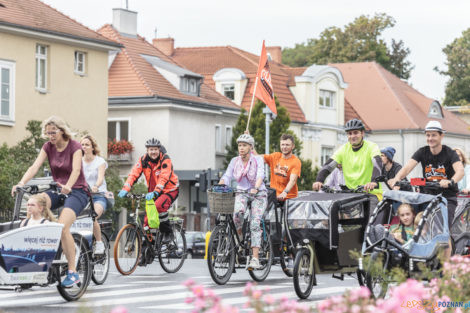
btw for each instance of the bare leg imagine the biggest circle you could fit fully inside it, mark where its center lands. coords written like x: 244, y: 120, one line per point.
x: 255, y: 252
x: 96, y: 226
x: 67, y: 217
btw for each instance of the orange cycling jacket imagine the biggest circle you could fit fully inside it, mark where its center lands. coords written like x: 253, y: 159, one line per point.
x: 159, y: 175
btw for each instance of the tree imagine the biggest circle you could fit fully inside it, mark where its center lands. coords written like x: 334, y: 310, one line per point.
x: 277, y: 127
x: 360, y: 41
x: 458, y: 70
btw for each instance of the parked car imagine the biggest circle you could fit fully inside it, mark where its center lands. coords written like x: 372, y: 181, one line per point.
x: 195, y: 244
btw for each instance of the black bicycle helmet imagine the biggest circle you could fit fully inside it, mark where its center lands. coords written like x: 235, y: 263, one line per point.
x: 153, y: 142
x: 354, y: 124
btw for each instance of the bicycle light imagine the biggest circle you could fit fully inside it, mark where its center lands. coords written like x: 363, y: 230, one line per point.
x: 359, y: 261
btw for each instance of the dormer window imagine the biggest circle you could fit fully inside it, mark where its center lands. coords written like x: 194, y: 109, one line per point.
x: 435, y: 110
x: 327, y: 99
x: 181, y: 78
x: 229, y: 91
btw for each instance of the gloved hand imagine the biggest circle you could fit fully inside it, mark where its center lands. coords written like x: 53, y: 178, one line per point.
x: 122, y: 193
x: 149, y: 196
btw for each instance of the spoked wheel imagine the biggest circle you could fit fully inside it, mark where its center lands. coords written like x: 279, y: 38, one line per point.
x: 287, y: 261
x: 101, y: 263
x: 127, y: 249
x: 172, y: 255
x: 265, y: 258
x: 304, y: 274
x: 375, y: 281
x: 221, y: 254
x: 83, y: 268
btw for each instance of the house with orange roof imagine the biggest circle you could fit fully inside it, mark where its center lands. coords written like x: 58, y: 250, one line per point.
x: 152, y: 95
x: 313, y: 97
x: 320, y: 98
x: 51, y: 65
x: 396, y: 113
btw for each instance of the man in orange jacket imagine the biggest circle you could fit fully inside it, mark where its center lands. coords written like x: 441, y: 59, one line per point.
x: 162, y: 182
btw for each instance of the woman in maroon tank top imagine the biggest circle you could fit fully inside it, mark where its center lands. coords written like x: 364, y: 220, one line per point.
x: 65, y: 160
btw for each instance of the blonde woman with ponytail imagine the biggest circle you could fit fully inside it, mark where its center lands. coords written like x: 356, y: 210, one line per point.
x: 37, y: 211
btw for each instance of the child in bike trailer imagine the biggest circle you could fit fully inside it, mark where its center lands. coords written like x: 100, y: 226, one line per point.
x: 404, y: 231
x: 162, y: 182
x: 248, y: 170
x: 37, y: 211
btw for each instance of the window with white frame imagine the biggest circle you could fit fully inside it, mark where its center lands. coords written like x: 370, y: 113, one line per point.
x: 229, y: 91
x: 326, y: 153
x: 118, y: 130
x: 41, y: 67
x: 7, y: 90
x: 218, y: 138
x: 79, y: 64
x: 327, y: 99
x: 228, y: 136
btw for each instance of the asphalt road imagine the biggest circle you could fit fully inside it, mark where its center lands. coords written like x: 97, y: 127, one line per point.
x: 150, y: 289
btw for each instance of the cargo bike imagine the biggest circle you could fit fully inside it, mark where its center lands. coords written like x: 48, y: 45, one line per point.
x: 227, y: 250
x: 325, y: 227
x: 32, y: 256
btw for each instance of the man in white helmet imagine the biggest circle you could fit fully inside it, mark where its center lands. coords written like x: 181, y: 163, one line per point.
x: 440, y: 164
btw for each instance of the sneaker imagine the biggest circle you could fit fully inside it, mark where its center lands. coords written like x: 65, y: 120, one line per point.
x: 71, y: 279
x: 253, y: 265
x: 167, y: 237
x: 99, y: 248
x: 290, y: 264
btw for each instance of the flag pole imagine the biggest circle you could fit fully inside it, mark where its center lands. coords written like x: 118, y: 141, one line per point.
x: 252, y: 101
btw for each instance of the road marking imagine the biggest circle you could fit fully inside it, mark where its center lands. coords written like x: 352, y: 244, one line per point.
x: 155, y: 297
x: 53, y: 290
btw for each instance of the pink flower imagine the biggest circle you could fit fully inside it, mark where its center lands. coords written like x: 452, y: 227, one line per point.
x: 198, y: 291
x: 257, y: 294
x: 188, y: 283
x: 269, y: 299
x: 119, y: 309
x: 248, y: 288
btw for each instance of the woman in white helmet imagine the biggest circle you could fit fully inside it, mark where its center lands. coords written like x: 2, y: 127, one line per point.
x: 248, y: 171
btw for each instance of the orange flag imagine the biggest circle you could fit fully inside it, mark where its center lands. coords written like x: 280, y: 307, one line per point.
x: 264, y: 87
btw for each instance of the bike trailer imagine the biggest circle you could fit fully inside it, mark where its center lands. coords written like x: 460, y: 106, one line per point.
x: 26, y: 253
x: 432, y: 232
x: 461, y: 225
x: 334, y: 221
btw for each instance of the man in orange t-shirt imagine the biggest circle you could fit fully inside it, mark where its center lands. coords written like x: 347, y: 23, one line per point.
x: 285, y: 169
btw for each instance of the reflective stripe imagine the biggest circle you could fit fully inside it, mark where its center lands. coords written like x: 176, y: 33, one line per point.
x: 163, y: 216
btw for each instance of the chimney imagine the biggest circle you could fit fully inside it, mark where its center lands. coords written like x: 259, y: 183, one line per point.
x: 125, y: 21
x: 165, y: 45
x: 275, y: 52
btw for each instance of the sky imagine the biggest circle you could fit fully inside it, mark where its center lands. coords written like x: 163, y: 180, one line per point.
x: 426, y: 27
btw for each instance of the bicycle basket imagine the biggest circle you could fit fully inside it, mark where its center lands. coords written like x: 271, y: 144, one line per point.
x: 221, y: 202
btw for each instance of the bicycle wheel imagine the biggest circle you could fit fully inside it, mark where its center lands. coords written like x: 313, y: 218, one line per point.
x: 101, y: 263
x: 265, y: 259
x: 172, y: 255
x: 127, y: 249
x: 375, y: 280
x: 286, y: 260
x: 83, y: 268
x: 303, y: 280
x: 221, y: 254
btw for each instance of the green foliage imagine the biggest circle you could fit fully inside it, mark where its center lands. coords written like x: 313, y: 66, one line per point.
x: 360, y: 41
x: 458, y: 70
x: 277, y: 127
x: 14, y: 161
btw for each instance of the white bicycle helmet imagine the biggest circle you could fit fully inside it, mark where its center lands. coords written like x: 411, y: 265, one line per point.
x: 246, y: 139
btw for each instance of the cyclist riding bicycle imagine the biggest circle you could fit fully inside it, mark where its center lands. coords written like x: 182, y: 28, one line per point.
x: 285, y: 169
x: 162, y: 182
x: 440, y: 164
x: 360, y: 161
x: 65, y: 159
x: 248, y: 170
